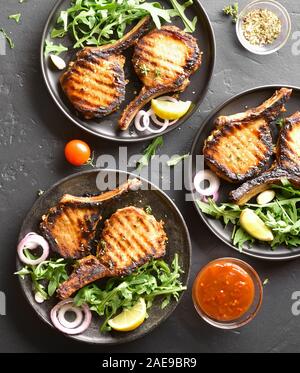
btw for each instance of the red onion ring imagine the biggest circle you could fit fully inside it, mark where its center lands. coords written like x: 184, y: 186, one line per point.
x: 214, y: 182
x: 32, y: 241
x: 70, y: 308
x: 59, y: 311
x: 146, y: 121
x: 158, y: 122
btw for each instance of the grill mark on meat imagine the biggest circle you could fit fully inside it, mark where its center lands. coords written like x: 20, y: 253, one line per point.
x: 95, y: 82
x: 70, y: 226
x: 241, y: 145
x: 120, y: 223
x: 287, y: 164
x: 154, y: 50
x: 120, y: 257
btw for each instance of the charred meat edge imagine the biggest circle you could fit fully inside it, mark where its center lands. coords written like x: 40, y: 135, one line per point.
x: 93, y: 268
x: 223, y: 172
x: 284, y: 152
x: 269, y: 109
x: 119, y: 78
x: 251, y: 188
x: 93, y: 202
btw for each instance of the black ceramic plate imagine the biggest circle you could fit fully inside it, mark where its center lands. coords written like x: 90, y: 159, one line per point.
x: 108, y: 126
x: 163, y: 209
x: 238, y: 103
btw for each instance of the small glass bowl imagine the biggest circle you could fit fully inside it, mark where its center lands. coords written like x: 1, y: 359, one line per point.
x: 248, y: 315
x: 286, y: 26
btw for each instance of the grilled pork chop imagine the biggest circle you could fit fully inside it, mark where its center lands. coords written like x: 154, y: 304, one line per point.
x: 239, y: 151
x: 95, y: 82
x: 288, y: 149
x: 70, y: 226
x: 268, y: 109
x: 241, y: 146
x: 130, y: 238
x: 287, y: 164
x: 163, y: 59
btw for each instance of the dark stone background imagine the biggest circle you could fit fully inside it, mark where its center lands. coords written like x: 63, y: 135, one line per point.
x: 32, y: 137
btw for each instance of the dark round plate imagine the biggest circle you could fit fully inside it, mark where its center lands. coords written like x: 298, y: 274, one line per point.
x: 107, y: 127
x: 163, y: 208
x: 238, y: 103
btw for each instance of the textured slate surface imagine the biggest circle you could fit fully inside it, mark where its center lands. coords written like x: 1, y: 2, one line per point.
x: 32, y: 136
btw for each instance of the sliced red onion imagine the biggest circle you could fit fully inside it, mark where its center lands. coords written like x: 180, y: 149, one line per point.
x: 69, y: 307
x: 214, y: 182
x: 32, y: 241
x: 79, y: 325
x: 215, y: 196
x: 158, y: 122
x: 146, y: 121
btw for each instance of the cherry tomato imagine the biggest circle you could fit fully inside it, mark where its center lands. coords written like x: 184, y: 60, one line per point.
x: 77, y: 152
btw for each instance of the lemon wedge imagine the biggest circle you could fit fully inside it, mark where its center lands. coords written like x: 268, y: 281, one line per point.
x: 170, y: 110
x: 130, y: 319
x: 255, y: 226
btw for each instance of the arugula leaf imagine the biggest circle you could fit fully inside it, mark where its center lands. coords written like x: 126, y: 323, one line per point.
x: 176, y: 159
x: 98, y: 22
x: 8, y: 38
x: 228, y: 212
x: 156, y: 12
x: 54, y: 48
x: 240, y: 237
x: 149, y: 152
x: 46, y: 276
x: 154, y: 279
x: 282, y: 216
x: 190, y: 26
x: 15, y: 17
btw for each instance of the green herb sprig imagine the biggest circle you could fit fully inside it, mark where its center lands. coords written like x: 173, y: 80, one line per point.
x: 149, y: 152
x: 233, y: 11
x: 8, y: 38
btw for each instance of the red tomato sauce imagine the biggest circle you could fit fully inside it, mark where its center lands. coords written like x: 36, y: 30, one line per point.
x: 224, y: 291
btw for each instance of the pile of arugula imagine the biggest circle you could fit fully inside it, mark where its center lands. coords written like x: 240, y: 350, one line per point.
x: 282, y: 215
x: 98, y: 22
x: 46, y: 276
x: 155, y: 278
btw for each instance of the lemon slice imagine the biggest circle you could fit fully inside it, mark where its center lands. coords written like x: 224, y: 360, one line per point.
x: 170, y: 110
x: 255, y: 226
x: 130, y: 319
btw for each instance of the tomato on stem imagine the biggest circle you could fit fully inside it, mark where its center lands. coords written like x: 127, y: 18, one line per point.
x: 77, y: 152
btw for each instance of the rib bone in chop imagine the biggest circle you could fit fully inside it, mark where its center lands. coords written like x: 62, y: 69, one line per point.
x: 70, y: 226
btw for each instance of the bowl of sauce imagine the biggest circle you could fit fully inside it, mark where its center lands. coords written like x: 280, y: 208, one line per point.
x: 227, y: 293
